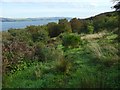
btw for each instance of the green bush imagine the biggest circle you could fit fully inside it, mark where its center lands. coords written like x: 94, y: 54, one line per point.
x: 70, y: 39
x: 45, y: 53
x: 76, y: 25
x: 38, y: 33
x: 90, y: 28
x: 54, y: 29
x: 21, y: 35
x: 65, y: 25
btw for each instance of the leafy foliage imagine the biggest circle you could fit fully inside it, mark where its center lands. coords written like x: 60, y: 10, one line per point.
x: 45, y: 53
x: 70, y: 39
x: 65, y: 25
x: 38, y: 34
x: 90, y: 28
x: 54, y: 29
x: 76, y: 25
x: 40, y: 57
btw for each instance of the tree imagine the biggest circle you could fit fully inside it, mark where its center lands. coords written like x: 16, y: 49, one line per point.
x: 65, y: 25
x: 54, y: 29
x: 117, y: 6
x: 76, y: 25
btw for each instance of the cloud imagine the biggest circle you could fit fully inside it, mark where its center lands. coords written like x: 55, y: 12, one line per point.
x: 95, y: 1
x: 40, y: 0
x: 75, y: 3
x: 33, y: 8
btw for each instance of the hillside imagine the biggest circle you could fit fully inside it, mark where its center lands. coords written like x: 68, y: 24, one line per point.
x: 80, y: 53
x: 101, y: 15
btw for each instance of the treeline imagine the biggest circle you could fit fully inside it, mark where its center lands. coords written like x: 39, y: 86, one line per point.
x: 106, y: 21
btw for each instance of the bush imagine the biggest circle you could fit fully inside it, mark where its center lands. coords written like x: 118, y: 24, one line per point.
x: 14, y: 52
x: 65, y: 25
x: 90, y: 28
x: 45, y: 53
x: 76, y: 25
x: 38, y: 33
x: 21, y: 35
x: 63, y: 66
x: 54, y: 29
x: 70, y: 39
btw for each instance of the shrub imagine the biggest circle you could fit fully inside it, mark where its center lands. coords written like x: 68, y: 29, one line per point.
x: 86, y: 77
x: 63, y: 66
x: 90, y: 28
x: 76, y: 25
x: 70, y: 39
x: 103, y: 54
x: 14, y: 52
x: 54, y: 29
x: 44, y: 52
x: 38, y: 33
x: 21, y: 35
x: 6, y: 37
x: 37, y: 72
x: 65, y: 25
x: 41, y: 35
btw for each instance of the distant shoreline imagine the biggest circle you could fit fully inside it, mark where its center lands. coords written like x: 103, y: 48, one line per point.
x: 4, y: 19
x: 32, y: 19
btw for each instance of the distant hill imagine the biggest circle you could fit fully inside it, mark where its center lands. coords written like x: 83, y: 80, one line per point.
x: 55, y: 18
x: 31, y: 19
x: 103, y: 21
x: 101, y: 15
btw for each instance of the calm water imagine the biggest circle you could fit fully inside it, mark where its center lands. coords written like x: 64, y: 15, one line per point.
x: 23, y: 24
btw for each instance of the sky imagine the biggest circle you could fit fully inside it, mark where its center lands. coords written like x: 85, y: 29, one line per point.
x: 53, y: 8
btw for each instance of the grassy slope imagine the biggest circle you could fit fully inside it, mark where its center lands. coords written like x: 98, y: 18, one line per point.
x: 85, y: 70
x: 93, y: 64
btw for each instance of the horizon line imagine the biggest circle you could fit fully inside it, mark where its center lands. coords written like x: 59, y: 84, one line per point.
x: 56, y: 16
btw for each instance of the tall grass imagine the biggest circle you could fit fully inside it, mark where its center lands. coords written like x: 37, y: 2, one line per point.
x: 103, y: 53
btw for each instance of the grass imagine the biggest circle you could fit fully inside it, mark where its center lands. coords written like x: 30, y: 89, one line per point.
x: 83, y: 67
